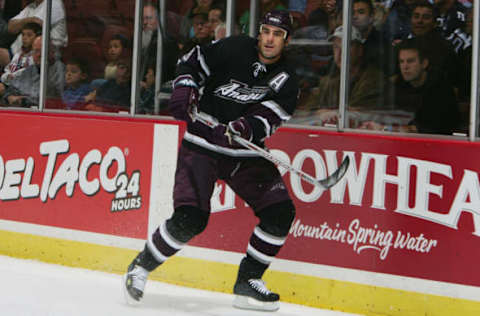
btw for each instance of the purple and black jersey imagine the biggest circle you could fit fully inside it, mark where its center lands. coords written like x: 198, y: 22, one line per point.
x: 233, y: 84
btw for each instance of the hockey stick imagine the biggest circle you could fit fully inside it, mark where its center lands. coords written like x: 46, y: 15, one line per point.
x: 325, y: 184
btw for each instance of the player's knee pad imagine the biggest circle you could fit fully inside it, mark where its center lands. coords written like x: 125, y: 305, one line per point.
x: 276, y: 219
x: 187, y: 222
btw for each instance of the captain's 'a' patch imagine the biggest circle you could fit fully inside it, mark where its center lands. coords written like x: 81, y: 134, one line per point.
x: 278, y: 81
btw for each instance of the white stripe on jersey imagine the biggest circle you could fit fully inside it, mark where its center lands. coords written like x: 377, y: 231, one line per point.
x: 202, y: 61
x: 197, y: 140
x: 277, y: 109
x: 268, y: 128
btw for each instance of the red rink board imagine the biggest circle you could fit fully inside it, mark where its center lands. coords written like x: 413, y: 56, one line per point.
x: 413, y: 230
x: 129, y: 142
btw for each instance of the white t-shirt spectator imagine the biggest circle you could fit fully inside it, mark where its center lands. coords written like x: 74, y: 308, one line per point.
x: 58, y: 31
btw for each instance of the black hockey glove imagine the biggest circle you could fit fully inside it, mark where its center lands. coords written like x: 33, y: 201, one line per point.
x: 223, y: 134
x: 220, y: 136
x: 239, y: 127
x: 183, y: 99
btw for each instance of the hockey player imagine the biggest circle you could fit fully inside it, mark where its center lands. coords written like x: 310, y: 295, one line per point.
x: 249, y: 87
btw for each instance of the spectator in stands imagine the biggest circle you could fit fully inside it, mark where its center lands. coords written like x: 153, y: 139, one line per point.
x: 440, y: 53
x: 316, y: 28
x: 149, y: 45
x: 76, y: 84
x: 377, y: 51
x: 201, y: 33
x: 3, y: 23
x: 34, y: 13
x: 147, y: 92
x: 216, y: 21
x: 417, y: 90
x: 265, y: 6
x: 365, y: 88
x: 22, y: 59
x: 118, y: 48
x: 397, y: 24
x: 186, y: 26
x: 464, y: 53
x: 8, y: 9
x: 24, y: 90
x: 114, y: 95
x: 297, y: 5
x: 451, y: 17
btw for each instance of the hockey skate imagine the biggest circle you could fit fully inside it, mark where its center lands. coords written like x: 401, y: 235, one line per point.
x: 134, y: 283
x: 253, y: 294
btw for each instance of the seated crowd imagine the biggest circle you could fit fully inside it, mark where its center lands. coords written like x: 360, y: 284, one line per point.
x: 409, y: 71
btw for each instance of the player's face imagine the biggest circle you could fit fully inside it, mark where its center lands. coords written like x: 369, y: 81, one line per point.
x: 410, y: 65
x: 271, y: 42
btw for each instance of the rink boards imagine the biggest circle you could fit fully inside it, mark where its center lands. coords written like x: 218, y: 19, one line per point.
x: 398, y: 236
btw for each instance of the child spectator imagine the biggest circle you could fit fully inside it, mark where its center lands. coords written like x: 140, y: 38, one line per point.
x: 76, y: 86
x: 147, y: 92
x: 24, y: 58
x: 117, y: 47
x: 113, y: 95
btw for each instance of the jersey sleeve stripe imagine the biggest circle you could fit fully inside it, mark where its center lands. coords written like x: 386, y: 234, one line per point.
x: 199, y: 141
x: 202, y: 61
x: 268, y: 128
x: 277, y: 109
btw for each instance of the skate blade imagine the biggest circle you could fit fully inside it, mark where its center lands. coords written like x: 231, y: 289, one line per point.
x: 128, y: 298
x: 245, y: 302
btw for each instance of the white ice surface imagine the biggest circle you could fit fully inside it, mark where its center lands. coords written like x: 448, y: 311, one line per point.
x: 32, y: 288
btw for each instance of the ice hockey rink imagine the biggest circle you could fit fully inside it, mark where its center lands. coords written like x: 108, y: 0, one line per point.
x: 33, y: 288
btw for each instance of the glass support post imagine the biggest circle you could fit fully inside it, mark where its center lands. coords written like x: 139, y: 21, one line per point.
x: 137, y: 38
x: 45, y: 51
x: 474, y: 97
x: 230, y: 17
x: 345, y: 69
